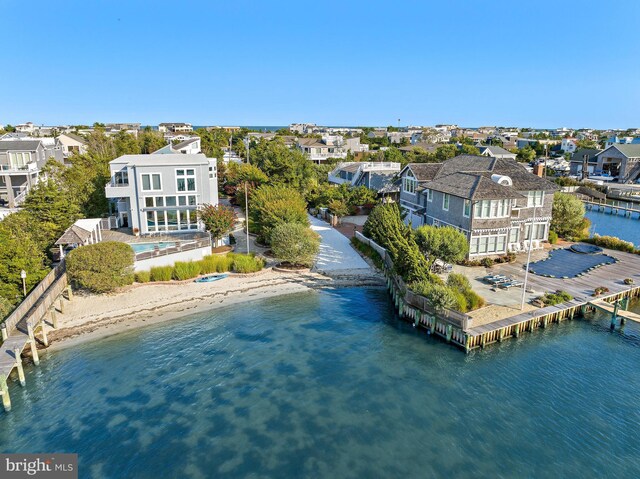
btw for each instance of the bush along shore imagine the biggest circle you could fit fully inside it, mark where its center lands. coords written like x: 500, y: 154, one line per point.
x: 184, y: 270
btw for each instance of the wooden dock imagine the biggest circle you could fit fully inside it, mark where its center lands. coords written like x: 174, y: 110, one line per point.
x: 20, y: 328
x: 628, y: 209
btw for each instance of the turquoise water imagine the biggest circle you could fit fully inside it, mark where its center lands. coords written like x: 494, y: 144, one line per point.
x: 330, y: 385
x: 144, y: 247
x: 603, y: 224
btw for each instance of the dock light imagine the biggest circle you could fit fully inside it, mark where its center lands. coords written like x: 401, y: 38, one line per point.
x: 23, y: 275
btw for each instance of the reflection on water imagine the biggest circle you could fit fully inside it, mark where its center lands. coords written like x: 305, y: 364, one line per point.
x: 330, y: 384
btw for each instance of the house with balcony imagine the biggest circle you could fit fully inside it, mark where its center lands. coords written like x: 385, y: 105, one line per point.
x: 319, y: 150
x: 161, y: 193
x: 498, y: 205
x: 175, y: 127
x: 72, y: 144
x: 21, y: 160
x: 378, y: 176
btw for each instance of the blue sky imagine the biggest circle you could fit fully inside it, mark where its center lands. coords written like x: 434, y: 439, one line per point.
x: 540, y: 63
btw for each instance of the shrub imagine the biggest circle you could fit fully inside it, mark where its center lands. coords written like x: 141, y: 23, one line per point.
x: 294, y: 243
x: 461, y: 285
x: 218, y: 219
x: 458, y: 281
x: 600, y: 290
x: 183, y: 270
x: 161, y: 273
x: 612, y: 242
x: 243, y: 263
x: 553, y: 237
x: 368, y: 251
x: 437, y: 294
x: 487, y: 262
x: 215, y: 264
x: 272, y: 205
x: 445, y: 243
x: 550, y: 299
x: 568, y: 214
x: 628, y: 281
x: 101, y: 267
x: 474, y: 300
x: 143, y: 276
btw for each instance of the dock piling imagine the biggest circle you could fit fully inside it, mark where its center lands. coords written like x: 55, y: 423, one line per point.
x: 45, y: 341
x: 5, y: 335
x: 16, y: 353
x: 4, y: 390
x: 32, y: 343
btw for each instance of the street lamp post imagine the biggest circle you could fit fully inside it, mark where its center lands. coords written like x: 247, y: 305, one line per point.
x: 23, y: 275
x: 246, y: 197
x: 526, y: 271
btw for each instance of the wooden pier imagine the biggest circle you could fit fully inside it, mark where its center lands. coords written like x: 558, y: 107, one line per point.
x: 614, y: 208
x: 20, y: 328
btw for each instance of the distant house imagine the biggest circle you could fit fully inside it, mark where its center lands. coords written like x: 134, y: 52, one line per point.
x: 329, y: 146
x: 624, y: 140
x: 161, y: 193
x: 496, y: 152
x: 582, y: 156
x: 21, y: 161
x: 490, y: 200
x: 620, y: 162
x: 187, y: 147
x: 378, y: 176
x: 175, y: 127
x: 302, y: 128
x: 569, y: 145
x: 72, y: 143
x: 424, y: 146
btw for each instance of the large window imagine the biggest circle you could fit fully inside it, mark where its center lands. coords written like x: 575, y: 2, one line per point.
x: 121, y: 178
x: 514, y: 235
x: 491, y: 209
x: 487, y: 244
x: 19, y: 160
x: 169, y: 201
x: 151, y: 182
x: 172, y: 220
x: 539, y: 230
x: 535, y: 198
x: 410, y: 185
x: 186, y: 179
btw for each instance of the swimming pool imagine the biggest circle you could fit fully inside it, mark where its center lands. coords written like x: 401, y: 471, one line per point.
x: 145, y: 247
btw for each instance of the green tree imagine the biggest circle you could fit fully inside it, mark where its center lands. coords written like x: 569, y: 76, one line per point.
x: 271, y: 205
x: 52, y: 210
x: 150, y: 141
x: 338, y: 208
x: 294, y: 243
x: 393, y: 154
x: 101, y: 267
x: 126, y: 144
x: 526, y: 154
x: 218, y: 220
x: 445, y: 243
x: 470, y: 150
x: 361, y: 196
x: 5, y: 308
x: 567, y: 218
x: 438, y: 295
x: 19, y: 251
x: 446, y: 152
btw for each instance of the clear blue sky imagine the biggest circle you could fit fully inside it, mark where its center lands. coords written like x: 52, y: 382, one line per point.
x: 539, y: 63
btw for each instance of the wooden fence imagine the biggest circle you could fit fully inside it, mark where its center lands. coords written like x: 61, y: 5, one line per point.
x: 455, y: 318
x: 40, y: 299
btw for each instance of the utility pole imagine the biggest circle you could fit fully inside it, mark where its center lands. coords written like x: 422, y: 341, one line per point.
x: 526, y: 271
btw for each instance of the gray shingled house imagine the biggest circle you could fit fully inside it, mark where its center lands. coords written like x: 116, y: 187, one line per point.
x: 490, y: 200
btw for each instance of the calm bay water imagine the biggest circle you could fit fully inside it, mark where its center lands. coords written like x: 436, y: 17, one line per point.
x: 330, y: 384
x: 605, y: 224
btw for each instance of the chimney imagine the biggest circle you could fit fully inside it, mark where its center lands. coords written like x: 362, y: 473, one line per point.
x: 538, y: 169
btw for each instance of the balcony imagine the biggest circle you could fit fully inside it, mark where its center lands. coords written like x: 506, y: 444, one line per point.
x: 117, y: 190
x: 22, y: 170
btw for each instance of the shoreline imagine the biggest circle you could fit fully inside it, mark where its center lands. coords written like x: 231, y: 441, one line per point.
x: 92, y: 317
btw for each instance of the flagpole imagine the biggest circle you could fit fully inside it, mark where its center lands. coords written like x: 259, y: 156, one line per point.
x: 526, y: 271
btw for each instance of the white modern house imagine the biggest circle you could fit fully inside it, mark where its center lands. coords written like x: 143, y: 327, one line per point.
x: 160, y: 193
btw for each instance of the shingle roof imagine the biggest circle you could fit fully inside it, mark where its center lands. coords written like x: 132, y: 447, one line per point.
x: 580, y: 152
x: 473, y: 186
x: 424, y: 171
x: 381, y: 182
x: 74, y: 235
x: 73, y: 136
x: 19, y: 145
x: 185, y: 143
x: 422, y: 145
x: 495, y: 150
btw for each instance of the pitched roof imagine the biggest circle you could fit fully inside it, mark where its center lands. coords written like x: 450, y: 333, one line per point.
x: 73, y: 136
x: 379, y: 181
x: 164, y: 160
x: 627, y: 149
x: 473, y: 186
x: 424, y: 171
x: 580, y: 152
x: 421, y: 144
x: 74, y: 235
x: 185, y: 143
x: 19, y: 145
x: 495, y: 150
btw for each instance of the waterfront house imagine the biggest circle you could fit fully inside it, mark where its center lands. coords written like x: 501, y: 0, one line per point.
x: 21, y: 160
x: 495, y: 151
x: 495, y: 202
x: 620, y: 162
x: 378, y: 176
x: 161, y: 193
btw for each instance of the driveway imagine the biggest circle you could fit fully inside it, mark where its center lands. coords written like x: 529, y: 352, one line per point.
x: 336, y: 255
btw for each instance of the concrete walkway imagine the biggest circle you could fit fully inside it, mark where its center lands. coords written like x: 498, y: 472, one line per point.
x: 336, y: 256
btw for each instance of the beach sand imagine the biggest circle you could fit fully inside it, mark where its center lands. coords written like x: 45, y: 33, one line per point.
x: 89, y: 317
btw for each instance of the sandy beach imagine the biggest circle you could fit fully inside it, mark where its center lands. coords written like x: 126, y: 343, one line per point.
x: 88, y: 317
